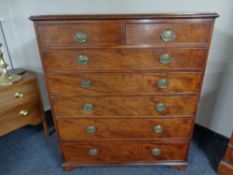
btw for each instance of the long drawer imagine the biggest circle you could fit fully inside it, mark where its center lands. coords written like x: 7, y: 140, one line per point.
x: 86, y: 84
x: 135, y: 106
x: 124, y: 151
x: 123, y: 59
x: 98, y: 129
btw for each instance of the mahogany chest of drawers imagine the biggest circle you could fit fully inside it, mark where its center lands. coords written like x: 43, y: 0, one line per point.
x: 124, y: 89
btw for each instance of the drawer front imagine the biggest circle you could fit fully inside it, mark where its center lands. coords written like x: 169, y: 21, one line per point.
x: 124, y: 151
x: 170, y: 31
x: 89, y: 129
x: 18, y: 94
x: 79, y: 34
x: 30, y: 108
x: 160, y: 106
x: 123, y: 83
x: 21, y: 115
x: 123, y: 59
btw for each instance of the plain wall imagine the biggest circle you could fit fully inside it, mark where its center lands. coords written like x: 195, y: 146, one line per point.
x: 216, y: 106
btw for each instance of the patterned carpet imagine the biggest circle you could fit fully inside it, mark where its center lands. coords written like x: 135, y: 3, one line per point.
x: 27, y: 152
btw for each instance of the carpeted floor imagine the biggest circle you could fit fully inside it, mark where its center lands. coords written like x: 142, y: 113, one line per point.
x: 27, y: 152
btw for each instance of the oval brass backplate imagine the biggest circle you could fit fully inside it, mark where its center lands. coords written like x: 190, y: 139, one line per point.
x: 88, y: 107
x: 156, y: 152
x: 162, y: 83
x: 168, y: 35
x: 82, y: 59
x: 160, y: 107
x: 91, y: 129
x: 93, y: 152
x: 85, y: 84
x: 80, y: 37
x: 165, y: 59
x: 158, y: 129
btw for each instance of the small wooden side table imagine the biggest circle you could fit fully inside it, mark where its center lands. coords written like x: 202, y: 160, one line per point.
x: 226, y: 165
x: 20, y: 105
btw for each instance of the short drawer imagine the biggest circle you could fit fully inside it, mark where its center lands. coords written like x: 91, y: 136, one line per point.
x: 123, y: 59
x: 79, y: 34
x: 169, y: 31
x: 21, y: 115
x: 18, y: 94
x: 135, y: 106
x: 124, y: 151
x: 97, y: 129
x: 123, y: 83
x: 20, y: 111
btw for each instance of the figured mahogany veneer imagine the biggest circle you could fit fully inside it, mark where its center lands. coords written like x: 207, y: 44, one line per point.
x: 124, y: 152
x: 123, y: 83
x: 123, y: 59
x: 62, y: 34
x: 149, y: 34
x: 124, y: 89
x: 76, y: 129
x: 118, y: 107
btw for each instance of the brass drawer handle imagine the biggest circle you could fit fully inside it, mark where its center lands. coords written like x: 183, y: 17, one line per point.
x: 160, y: 107
x: 19, y: 95
x: 91, y: 129
x: 80, y: 37
x: 23, y: 112
x: 165, y: 59
x: 158, y: 129
x: 88, y: 107
x: 85, y: 84
x: 93, y: 152
x: 156, y: 152
x: 83, y: 59
x: 162, y: 83
x: 168, y: 35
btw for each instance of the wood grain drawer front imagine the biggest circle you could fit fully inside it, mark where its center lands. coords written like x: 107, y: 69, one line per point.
x: 30, y: 109
x: 97, y: 129
x: 123, y: 83
x: 185, y: 31
x: 123, y: 59
x: 60, y: 34
x: 18, y: 94
x: 124, y: 151
x: 20, y: 115
x: 153, y: 106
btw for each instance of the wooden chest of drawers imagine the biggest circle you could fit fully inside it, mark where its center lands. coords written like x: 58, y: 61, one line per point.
x: 124, y: 89
x: 20, y: 105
